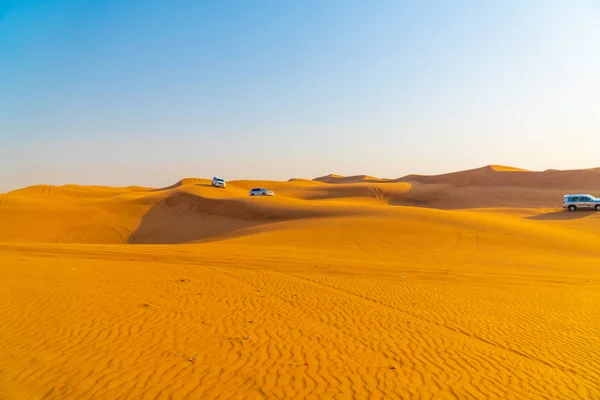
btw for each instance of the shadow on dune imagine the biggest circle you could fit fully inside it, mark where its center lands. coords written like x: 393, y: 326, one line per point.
x: 183, y: 217
x: 449, y: 197
x: 425, y: 196
x: 497, y: 176
x: 407, y: 201
x: 562, y: 215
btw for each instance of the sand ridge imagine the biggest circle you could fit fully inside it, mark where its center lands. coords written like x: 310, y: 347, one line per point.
x: 428, y: 287
x: 339, y: 179
x: 505, y: 168
x: 500, y: 176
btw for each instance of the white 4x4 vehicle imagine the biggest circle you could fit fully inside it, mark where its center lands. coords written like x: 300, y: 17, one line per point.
x: 574, y: 202
x: 261, y: 192
x: 218, y: 182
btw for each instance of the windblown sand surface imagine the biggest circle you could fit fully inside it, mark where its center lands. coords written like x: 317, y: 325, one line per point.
x: 339, y: 289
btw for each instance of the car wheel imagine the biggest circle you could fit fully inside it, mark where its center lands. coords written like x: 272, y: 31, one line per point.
x: 572, y: 208
x: 597, y: 208
x: 264, y: 194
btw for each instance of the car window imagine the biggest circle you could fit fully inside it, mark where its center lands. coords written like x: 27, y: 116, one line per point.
x: 584, y: 198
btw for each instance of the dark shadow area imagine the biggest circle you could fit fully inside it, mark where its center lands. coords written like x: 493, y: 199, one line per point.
x: 183, y: 217
x: 562, y: 215
x: 406, y: 201
x: 434, y: 196
x: 448, y: 197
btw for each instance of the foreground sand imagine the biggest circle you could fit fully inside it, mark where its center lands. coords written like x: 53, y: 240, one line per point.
x: 308, y: 295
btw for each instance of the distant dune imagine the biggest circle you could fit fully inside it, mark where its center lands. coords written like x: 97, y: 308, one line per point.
x: 76, y: 191
x: 304, y: 181
x: 492, y: 175
x: 504, y: 168
x: 572, y: 180
x: 337, y: 179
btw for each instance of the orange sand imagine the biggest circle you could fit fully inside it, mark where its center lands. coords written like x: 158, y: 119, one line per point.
x: 504, y: 168
x: 327, y: 290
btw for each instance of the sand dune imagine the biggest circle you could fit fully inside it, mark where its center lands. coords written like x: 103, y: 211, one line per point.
x: 333, y: 178
x: 330, y: 289
x: 76, y: 191
x: 505, y: 168
x: 494, y: 176
x: 188, y: 181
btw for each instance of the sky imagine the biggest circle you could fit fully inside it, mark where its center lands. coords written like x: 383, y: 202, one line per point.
x: 128, y: 92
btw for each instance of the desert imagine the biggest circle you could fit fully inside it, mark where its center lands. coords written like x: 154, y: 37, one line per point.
x: 467, y: 285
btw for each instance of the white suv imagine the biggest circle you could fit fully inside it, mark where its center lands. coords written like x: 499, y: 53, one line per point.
x: 261, y: 192
x: 574, y: 202
x: 218, y: 182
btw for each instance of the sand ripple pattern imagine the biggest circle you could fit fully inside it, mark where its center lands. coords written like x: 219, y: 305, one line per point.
x: 170, y: 323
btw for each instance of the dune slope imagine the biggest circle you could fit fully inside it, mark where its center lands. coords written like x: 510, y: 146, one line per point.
x: 339, y: 179
x: 500, y: 176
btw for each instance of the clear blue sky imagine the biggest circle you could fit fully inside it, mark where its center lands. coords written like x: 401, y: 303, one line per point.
x: 147, y: 92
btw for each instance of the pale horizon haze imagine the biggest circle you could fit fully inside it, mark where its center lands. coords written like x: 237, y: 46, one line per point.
x: 148, y: 92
